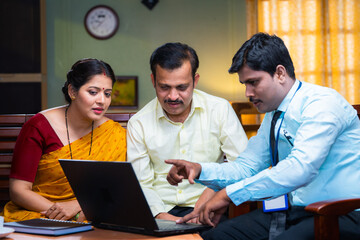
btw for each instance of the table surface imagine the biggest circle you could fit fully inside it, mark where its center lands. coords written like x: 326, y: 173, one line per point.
x: 98, y: 233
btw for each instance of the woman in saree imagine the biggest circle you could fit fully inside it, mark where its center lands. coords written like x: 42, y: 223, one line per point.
x: 79, y: 130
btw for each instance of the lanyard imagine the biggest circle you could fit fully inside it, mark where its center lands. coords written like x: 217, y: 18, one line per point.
x: 278, y: 131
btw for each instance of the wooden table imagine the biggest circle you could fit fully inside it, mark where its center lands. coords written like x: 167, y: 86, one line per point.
x: 98, y: 233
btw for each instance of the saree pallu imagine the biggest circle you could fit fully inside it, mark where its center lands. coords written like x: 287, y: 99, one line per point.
x: 108, y: 144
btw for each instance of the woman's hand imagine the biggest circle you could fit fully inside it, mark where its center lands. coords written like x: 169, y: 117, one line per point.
x: 21, y: 194
x: 82, y: 217
x: 63, y: 210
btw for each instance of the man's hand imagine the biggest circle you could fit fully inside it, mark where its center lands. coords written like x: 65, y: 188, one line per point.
x: 167, y: 216
x: 211, y: 212
x: 205, y: 196
x: 182, y: 169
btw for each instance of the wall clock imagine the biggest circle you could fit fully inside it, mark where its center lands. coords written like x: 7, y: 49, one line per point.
x: 101, y: 22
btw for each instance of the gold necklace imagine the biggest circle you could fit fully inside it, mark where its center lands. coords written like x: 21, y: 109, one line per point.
x: 68, y: 137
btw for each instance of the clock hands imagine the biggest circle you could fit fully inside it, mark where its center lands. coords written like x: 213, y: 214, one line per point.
x: 100, y: 19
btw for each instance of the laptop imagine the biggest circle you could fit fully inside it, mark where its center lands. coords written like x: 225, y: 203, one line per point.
x: 111, y: 197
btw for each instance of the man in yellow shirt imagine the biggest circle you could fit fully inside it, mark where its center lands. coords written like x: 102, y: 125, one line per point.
x: 180, y: 123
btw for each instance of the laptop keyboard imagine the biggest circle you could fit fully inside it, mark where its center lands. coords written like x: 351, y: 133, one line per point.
x: 171, y: 225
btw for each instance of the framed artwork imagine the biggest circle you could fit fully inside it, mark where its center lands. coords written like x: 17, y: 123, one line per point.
x: 125, y: 93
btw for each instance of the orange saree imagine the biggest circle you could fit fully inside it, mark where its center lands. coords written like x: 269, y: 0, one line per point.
x: 109, y: 144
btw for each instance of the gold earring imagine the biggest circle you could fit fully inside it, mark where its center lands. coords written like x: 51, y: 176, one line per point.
x: 72, y: 98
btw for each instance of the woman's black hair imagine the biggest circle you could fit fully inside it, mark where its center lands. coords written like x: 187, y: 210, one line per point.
x: 82, y: 71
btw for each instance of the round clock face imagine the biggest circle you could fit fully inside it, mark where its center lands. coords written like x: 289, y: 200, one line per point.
x: 101, y: 22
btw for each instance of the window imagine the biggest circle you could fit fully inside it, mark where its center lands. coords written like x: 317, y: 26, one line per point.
x: 323, y: 37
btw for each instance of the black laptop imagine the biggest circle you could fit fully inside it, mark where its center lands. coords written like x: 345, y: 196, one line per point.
x: 111, y: 197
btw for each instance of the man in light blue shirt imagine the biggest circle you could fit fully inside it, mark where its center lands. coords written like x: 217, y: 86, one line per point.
x: 316, y: 142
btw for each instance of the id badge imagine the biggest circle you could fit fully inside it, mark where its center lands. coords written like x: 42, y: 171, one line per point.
x: 276, y: 204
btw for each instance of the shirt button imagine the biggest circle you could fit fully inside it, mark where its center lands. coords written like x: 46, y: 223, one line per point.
x: 180, y: 191
x: 183, y: 151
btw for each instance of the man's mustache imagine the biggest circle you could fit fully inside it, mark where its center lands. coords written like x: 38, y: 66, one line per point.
x: 173, y: 101
x: 254, y: 100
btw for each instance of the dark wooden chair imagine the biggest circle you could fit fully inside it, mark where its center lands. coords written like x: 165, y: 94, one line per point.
x: 326, y: 216
x: 10, y: 126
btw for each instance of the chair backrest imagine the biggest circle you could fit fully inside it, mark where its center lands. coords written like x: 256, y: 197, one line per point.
x: 249, y: 116
x: 357, y: 108
x: 10, y: 126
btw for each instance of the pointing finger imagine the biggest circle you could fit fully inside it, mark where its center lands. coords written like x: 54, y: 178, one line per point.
x: 188, y: 217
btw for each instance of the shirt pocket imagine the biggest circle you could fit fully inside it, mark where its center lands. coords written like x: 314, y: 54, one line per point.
x: 207, y: 151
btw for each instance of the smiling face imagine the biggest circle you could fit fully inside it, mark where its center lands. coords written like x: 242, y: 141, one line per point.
x: 263, y: 90
x: 174, y: 90
x: 93, y: 98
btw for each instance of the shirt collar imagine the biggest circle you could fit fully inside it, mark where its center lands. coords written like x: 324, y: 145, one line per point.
x: 195, y: 104
x: 285, y: 103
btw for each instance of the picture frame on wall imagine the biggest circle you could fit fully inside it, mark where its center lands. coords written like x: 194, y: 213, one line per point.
x: 125, y: 93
